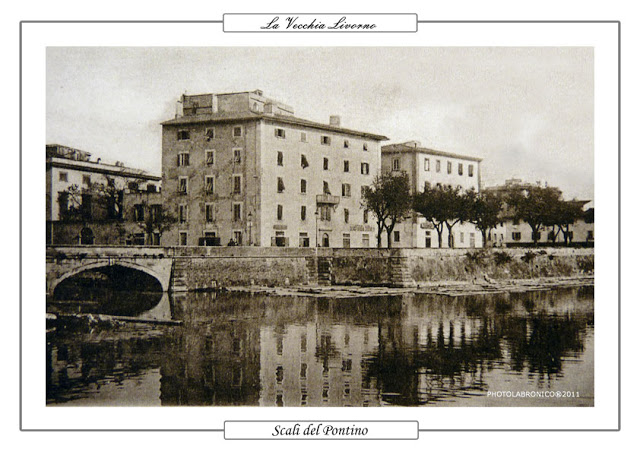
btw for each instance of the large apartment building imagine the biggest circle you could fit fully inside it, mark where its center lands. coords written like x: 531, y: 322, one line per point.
x: 240, y: 168
x: 90, y: 202
x: 424, y: 165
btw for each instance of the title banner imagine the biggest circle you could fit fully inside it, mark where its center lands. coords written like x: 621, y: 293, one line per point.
x: 327, y: 23
x: 315, y: 430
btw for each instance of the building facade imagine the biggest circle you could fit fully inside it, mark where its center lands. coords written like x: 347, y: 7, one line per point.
x: 241, y: 169
x: 438, y: 168
x: 90, y: 202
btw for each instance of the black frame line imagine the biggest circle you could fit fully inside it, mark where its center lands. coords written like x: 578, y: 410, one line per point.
x: 20, y: 259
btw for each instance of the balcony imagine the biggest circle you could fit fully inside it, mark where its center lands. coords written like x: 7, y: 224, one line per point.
x: 327, y: 199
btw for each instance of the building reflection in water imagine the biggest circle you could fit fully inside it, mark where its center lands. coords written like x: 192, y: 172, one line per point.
x: 295, y: 351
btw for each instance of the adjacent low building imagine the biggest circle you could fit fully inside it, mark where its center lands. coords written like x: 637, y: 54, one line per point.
x: 241, y: 169
x: 512, y: 232
x: 90, y: 202
x: 438, y: 168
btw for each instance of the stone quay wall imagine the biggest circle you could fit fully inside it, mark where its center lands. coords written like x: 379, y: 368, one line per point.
x: 206, y: 267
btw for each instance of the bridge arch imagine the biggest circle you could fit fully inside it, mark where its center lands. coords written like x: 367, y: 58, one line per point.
x: 95, y: 265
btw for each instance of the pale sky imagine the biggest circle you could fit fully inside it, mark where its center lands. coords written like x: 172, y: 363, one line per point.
x: 527, y: 112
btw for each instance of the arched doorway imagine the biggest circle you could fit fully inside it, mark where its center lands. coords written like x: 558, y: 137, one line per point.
x: 325, y: 240
x: 86, y: 236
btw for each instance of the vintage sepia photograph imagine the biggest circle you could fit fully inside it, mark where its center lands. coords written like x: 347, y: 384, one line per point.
x: 320, y: 226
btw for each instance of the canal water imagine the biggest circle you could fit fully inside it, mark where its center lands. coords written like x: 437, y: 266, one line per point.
x: 520, y: 349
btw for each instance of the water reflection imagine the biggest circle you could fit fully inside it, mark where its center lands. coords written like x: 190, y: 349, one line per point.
x: 294, y: 351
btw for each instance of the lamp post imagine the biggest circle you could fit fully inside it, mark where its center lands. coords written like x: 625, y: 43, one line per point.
x: 249, y: 226
x: 317, y: 214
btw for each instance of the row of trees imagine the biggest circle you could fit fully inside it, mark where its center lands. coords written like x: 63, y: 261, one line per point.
x: 390, y: 200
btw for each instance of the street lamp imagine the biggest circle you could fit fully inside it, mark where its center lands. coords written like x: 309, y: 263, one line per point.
x: 249, y: 225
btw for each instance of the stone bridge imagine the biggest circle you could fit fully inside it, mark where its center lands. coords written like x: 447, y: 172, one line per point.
x: 66, y: 261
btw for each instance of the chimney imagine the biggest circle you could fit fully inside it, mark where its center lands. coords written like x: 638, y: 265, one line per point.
x: 334, y: 120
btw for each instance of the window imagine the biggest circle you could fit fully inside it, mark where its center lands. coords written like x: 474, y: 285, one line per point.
x: 437, y: 166
x: 183, y: 159
x: 346, y: 215
x: 326, y: 140
x: 280, y: 185
x: 138, y: 212
x: 516, y: 235
x: 237, y: 131
x: 63, y: 177
x: 325, y: 213
x: 346, y: 240
x: 237, y: 184
x: 237, y: 156
x: 365, y: 147
x: 364, y: 168
x: 462, y: 237
x: 325, y: 188
x: 346, y: 190
x: 86, y: 180
x: 365, y: 217
x: 155, y: 212
x: 589, y: 236
x: 279, y: 133
x: 183, y: 239
x: 151, y: 188
x: 208, y: 213
x: 303, y: 161
x: 210, y: 157
x: 237, y: 237
x: 183, y: 213
x: 209, y: 184
x: 182, y: 185
x: 303, y: 186
x: 427, y: 165
x: 396, y: 236
x: 325, y: 164
x: 535, y: 235
x: 449, y: 168
x: 396, y: 165
x: 303, y: 213
x: 63, y: 202
x: 460, y: 169
x: 346, y: 166
x: 303, y: 137
x: 237, y: 211
x: 365, y: 240
x: 132, y: 186
x: 86, y: 207
x: 346, y: 143
x: 210, y: 133
x: 470, y: 170
x: 279, y: 212
x: 183, y: 135
x: 280, y: 158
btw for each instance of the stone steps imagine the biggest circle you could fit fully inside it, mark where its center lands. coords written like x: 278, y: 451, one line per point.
x: 178, y: 275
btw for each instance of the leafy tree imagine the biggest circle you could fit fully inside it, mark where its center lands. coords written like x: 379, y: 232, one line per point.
x: 484, y: 212
x: 535, y: 206
x: 157, y: 219
x: 389, y: 199
x: 443, y: 206
x: 563, y: 214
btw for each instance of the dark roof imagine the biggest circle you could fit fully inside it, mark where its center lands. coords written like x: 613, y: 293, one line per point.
x: 251, y: 116
x: 402, y: 147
